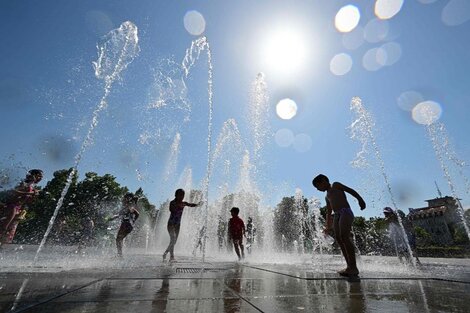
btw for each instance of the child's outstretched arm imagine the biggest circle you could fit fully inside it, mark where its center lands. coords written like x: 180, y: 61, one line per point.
x: 353, y: 193
x: 192, y: 205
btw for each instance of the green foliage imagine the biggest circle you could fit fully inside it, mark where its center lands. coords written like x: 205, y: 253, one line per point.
x: 423, y: 238
x: 460, y: 236
x: 97, y: 197
x: 291, y: 222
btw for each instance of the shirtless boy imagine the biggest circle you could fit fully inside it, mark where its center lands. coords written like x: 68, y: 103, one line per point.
x: 337, y: 204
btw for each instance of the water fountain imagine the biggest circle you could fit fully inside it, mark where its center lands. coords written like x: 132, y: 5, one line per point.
x: 448, y: 159
x: 362, y: 130
x: 192, y: 54
x: 115, y: 53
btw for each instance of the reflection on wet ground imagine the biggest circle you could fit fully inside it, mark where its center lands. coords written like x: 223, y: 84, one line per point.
x: 189, y: 286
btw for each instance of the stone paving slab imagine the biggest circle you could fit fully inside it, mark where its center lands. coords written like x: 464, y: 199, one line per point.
x: 189, y: 286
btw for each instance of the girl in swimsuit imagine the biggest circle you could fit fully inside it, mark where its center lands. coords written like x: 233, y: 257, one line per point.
x: 177, y: 206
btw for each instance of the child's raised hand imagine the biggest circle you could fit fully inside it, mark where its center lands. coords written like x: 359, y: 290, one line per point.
x: 362, y: 204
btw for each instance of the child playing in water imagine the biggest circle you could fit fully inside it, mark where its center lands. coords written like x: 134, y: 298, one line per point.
x: 177, y: 206
x: 13, y: 210
x: 337, y: 203
x: 236, y: 231
x: 129, y: 215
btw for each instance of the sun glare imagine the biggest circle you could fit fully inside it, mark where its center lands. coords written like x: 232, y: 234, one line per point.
x: 284, y: 51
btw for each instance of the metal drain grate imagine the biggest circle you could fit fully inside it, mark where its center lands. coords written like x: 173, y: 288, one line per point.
x: 189, y: 270
x: 197, y: 270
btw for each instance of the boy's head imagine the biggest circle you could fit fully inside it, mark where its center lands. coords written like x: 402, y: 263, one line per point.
x: 321, y: 182
x: 34, y: 176
x: 389, y: 214
x: 234, y: 211
x: 179, y: 194
x: 130, y: 198
x: 388, y: 211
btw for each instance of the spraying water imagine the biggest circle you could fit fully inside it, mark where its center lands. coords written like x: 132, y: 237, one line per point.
x: 319, y: 237
x: 115, y: 53
x: 259, y: 114
x: 362, y: 130
x: 440, y: 143
x: 192, y: 54
x: 172, y: 161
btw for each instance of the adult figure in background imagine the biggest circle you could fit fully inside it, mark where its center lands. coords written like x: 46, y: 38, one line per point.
x: 13, y: 210
x: 177, y: 206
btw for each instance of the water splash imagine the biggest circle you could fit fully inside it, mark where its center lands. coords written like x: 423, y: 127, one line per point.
x: 117, y: 50
x: 318, y: 236
x: 192, y: 55
x: 447, y: 159
x: 245, y: 183
x: 258, y: 115
x: 172, y: 161
x: 362, y: 130
x: 168, y: 104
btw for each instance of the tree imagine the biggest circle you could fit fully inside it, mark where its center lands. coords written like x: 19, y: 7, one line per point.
x: 41, y: 209
x: 292, y: 222
x: 423, y: 238
x: 97, y: 197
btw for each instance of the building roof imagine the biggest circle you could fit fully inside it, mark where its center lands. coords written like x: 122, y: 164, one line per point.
x: 428, y: 211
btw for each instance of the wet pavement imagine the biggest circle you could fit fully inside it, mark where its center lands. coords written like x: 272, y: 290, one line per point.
x: 142, y: 284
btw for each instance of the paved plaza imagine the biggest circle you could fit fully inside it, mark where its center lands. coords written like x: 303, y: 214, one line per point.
x: 142, y: 283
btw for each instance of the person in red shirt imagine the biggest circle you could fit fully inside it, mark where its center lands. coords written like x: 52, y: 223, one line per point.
x: 236, y: 231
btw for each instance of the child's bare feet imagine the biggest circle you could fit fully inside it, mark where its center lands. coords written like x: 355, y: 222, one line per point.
x: 351, y: 272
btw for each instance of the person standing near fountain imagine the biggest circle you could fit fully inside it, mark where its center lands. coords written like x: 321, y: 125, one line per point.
x: 129, y: 215
x: 236, y: 231
x: 396, y: 235
x: 13, y: 210
x: 177, y: 206
x: 337, y: 203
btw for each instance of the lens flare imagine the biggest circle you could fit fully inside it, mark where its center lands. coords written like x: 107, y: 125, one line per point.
x: 409, y: 99
x: 284, y: 137
x: 341, y: 64
x: 194, y: 23
x: 426, y: 113
x: 456, y: 12
x: 353, y: 39
x: 286, y: 109
x: 371, y: 59
x: 376, y: 30
x: 302, y: 143
x: 347, y: 18
x: 386, y: 9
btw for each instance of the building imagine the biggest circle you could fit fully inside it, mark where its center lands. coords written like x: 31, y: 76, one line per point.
x: 440, y: 219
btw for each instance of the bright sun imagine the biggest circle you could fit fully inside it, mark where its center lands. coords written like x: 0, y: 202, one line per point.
x: 284, y: 51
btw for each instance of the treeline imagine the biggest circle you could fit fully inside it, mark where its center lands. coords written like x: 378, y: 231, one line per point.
x: 296, y: 227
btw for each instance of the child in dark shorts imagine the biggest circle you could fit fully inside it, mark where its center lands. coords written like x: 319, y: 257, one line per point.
x: 236, y: 231
x: 337, y: 203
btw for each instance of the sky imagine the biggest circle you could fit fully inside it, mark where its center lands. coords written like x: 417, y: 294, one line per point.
x: 392, y: 57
